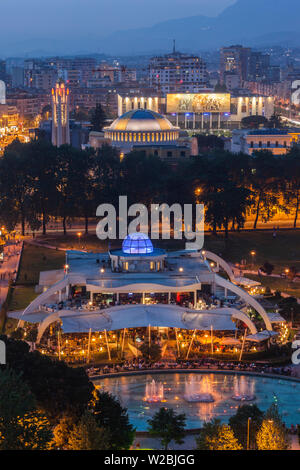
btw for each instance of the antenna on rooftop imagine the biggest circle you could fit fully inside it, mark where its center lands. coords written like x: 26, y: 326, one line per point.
x: 174, y: 46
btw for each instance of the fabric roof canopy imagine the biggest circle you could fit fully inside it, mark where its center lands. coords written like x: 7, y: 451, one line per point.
x: 261, y: 336
x: 136, y: 316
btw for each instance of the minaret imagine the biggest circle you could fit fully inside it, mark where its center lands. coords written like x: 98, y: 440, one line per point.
x: 60, y: 114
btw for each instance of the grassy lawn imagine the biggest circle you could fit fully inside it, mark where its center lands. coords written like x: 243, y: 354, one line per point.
x: 282, y: 285
x: 21, y: 297
x: 36, y: 259
x: 283, y: 251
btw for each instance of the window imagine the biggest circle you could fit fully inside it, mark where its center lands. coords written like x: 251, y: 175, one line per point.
x: 125, y: 266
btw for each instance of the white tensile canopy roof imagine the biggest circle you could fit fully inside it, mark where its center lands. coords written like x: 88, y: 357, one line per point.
x: 261, y: 336
x: 137, y: 316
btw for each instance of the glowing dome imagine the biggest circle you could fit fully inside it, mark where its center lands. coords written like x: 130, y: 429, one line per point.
x: 137, y: 244
x: 141, y: 126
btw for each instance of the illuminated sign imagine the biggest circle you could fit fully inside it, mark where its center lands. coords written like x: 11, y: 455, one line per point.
x: 198, y: 103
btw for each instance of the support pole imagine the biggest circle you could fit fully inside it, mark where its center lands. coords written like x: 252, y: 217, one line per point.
x: 149, y: 339
x: 107, y: 345
x: 191, y: 343
x: 243, y: 344
x: 58, y: 343
x: 178, y: 350
x: 123, y: 341
x: 89, y: 346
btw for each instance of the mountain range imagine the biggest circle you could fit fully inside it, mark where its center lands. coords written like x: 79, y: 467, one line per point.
x: 253, y: 22
x: 247, y: 22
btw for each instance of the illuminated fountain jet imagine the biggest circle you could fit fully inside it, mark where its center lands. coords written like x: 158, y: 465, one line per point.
x: 154, y: 392
x: 243, y: 391
x: 198, y: 391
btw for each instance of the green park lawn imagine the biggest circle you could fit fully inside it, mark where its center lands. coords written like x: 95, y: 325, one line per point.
x: 282, y: 252
x: 36, y: 259
x: 21, y: 297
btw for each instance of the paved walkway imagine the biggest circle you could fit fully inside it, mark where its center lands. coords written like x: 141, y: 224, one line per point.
x: 9, y: 268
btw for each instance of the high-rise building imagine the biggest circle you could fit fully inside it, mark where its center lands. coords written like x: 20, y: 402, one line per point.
x: 234, y: 59
x: 177, y: 72
x: 60, y: 114
x: 258, y: 66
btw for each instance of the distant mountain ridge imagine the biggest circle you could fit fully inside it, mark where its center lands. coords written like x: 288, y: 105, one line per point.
x: 247, y: 22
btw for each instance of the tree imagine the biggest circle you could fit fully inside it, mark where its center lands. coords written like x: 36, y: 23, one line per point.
x: 144, y: 177
x: 57, y: 387
x: 239, y: 423
x: 86, y: 435
x: 168, y: 426
x: 272, y: 434
x: 223, y: 190
x: 18, y: 333
x: 291, y: 182
x: 208, y: 431
x: 22, y: 425
x: 109, y: 414
x: 264, y: 182
x: 98, y: 118
x: 267, y: 268
x: 153, y: 353
x: 62, y: 431
x: 275, y: 121
x: 253, y: 122
x: 15, y: 185
x: 224, y: 440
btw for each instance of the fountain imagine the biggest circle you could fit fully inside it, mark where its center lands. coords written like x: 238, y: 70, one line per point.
x: 198, y: 392
x: 242, y: 390
x: 154, y: 392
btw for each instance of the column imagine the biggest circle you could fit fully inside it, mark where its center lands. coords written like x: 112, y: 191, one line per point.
x: 194, y: 120
x: 195, y: 298
x: 169, y: 297
x: 210, y: 120
x: 202, y: 121
x: 219, y: 120
x: 59, y: 296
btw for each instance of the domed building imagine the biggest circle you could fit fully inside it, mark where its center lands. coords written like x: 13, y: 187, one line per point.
x: 141, y: 127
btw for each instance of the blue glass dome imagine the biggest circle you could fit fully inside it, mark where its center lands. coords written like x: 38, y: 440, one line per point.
x: 137, y: 244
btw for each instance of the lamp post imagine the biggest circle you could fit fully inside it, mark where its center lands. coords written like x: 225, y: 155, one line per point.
x: 79, y: 234
x: 253, y: 254
x: 248, y: 434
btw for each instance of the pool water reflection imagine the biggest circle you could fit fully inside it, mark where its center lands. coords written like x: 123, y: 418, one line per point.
x: 131, y: 391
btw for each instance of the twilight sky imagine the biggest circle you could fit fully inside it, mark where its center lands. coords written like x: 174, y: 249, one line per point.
x: 38, y: 18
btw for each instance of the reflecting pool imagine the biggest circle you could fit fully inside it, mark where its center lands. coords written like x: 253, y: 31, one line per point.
x: 185, y: 391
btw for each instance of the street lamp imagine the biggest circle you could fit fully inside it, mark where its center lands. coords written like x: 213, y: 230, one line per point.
x: 79, y: 234
x: 253, y: 253
x: 248, y: 434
